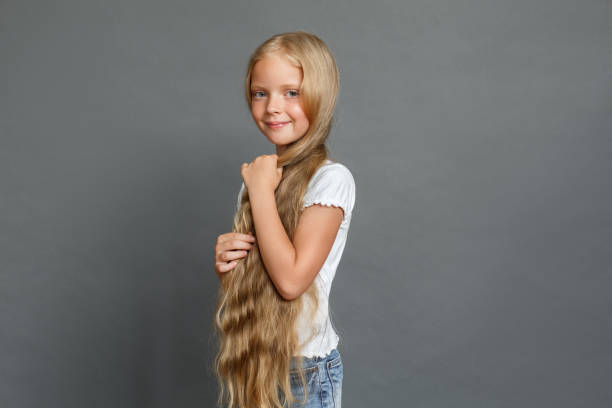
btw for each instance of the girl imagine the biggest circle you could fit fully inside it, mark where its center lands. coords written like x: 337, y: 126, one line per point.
x: 277, y: 343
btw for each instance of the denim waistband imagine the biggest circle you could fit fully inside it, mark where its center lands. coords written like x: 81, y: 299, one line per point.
x: 308, y: 362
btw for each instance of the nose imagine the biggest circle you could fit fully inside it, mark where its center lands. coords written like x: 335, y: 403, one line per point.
x: 275, y: 104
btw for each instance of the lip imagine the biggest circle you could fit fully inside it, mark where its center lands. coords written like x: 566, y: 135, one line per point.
x: 276, y: 125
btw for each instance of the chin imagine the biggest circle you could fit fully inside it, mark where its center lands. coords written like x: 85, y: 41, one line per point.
x: 277, y: 141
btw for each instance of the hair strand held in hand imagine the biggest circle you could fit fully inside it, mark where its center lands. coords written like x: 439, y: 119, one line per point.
x: 255, y: 326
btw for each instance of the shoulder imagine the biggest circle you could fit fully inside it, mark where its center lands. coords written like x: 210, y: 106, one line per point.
x: 332, y: 184
x: 333, y: 170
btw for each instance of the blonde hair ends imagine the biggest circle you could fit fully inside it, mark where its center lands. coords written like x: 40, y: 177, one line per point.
x: 255, y: 326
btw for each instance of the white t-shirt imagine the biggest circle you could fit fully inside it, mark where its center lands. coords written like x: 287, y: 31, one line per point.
x: 331, y: 185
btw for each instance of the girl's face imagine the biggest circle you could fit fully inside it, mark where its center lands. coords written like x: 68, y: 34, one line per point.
x: 275, y: 101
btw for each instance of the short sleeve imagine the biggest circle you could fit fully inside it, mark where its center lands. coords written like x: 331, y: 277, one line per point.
x: 332, y: 185
x: 239, y: 196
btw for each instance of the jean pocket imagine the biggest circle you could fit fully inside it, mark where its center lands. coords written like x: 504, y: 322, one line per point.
x: 311, y: 376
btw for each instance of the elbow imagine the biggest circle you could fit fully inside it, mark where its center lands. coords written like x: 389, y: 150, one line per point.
x: 290, y: 291
x: 295, y: 287
x: 289, y: 287
x: 284, y: 289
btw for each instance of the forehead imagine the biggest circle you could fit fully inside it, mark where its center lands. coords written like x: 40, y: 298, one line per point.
x: 275, y: 71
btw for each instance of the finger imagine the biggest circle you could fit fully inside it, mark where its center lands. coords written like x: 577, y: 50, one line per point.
x: 245, y: 237
x: 236, y: 244
x: 224, y: 237
x: 224, y: 251
x: 235, y: 235
x: 233, y: 255
x: 226, y: 266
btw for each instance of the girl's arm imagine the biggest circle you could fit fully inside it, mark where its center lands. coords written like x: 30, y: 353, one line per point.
x: 292, y: 266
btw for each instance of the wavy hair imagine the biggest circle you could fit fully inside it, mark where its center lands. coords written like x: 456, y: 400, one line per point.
x: 255, y: 325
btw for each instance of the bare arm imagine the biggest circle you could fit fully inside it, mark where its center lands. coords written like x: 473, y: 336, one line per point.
x: 313, y: 239
x: 292, y: 266
x: 276, y: 249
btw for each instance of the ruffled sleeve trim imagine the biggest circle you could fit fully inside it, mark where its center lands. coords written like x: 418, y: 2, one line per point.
x: 325, y: 202
x: 332, y: 185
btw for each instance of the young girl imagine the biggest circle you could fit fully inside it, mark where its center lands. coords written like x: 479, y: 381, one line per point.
x: 277, y: 343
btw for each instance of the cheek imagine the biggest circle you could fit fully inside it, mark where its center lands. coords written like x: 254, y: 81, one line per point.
x: 256, y: 113
x: 298, y: 114
x: 305, y: 123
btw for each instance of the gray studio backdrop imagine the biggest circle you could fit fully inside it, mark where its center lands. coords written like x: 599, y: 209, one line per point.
x: 477, y: 271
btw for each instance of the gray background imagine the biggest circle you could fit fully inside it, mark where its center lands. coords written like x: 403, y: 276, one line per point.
x: 477, y: 272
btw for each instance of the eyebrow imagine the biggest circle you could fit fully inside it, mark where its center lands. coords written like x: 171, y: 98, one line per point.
x: 282, y: 86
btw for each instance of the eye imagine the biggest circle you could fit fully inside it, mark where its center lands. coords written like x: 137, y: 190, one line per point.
x: 254, y: 94
x: 293, y: 93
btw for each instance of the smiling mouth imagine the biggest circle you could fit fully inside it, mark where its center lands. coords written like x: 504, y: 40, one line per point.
x: 276, y: 125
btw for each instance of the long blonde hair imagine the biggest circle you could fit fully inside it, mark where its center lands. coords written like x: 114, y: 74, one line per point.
x: 256, y: 327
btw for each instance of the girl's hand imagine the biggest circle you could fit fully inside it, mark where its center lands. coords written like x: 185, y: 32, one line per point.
x: 262, y: 174
x: 230, y: 247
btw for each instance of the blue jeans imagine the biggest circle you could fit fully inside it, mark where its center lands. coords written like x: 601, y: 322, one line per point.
x: 324, y: 381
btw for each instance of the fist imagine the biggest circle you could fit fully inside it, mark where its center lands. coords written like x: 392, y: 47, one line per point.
x: 262, y: 174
